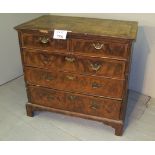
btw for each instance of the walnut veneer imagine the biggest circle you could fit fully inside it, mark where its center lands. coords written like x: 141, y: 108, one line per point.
x: 85, y: 75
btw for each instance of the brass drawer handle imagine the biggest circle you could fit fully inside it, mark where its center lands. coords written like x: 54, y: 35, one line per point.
x: 96, y: 85
x: 44, y: 39
x: 72, y: 97
x: 98, y: 46
x: 46, y: 59
x: 69, y: 59
x: 49, y: 97
x: 94, y: 105
x: 95, y: 66
x: 70, y: 77
x: 48, y: 77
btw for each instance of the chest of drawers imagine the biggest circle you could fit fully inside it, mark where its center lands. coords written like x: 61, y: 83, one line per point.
x: 85, y: 75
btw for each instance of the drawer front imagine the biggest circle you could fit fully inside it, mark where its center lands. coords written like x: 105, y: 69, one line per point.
x: 92, y: 85
x: 44, y: 42
x: 76, y: 103
x: 101, y: 48
x: 75, y: 64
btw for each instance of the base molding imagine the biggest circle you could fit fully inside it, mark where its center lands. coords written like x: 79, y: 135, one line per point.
x: 116, y: 124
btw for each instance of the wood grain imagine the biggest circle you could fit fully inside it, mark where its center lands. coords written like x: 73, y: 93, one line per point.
x: 75, y: 102
x: 91, y: 85
x: 75, y: 63
x: 85, y: 75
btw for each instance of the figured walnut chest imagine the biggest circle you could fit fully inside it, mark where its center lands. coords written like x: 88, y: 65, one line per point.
x: 84, y: 75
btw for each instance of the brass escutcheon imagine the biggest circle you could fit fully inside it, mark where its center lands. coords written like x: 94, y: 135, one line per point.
x: 70, y: 77
x: 96, y: 85
x: 94, y: 105
x: 72, y: 98
x: 44, y: 39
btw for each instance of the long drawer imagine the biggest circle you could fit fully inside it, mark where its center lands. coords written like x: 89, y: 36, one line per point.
x: 75, y: 64
x: 74, y: 102
x: 92, y: 85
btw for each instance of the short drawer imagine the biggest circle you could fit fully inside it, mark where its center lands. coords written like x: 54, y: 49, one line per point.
x: 101, y: 48
x: 43, y: 42
x: 74, y: 102
x: 75, y: 64
x: 92, y: 85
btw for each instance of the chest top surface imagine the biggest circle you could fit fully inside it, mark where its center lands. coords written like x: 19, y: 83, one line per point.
x: 92, y: 26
